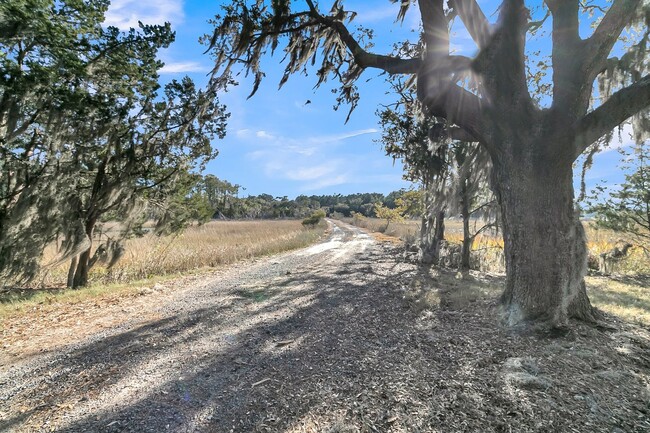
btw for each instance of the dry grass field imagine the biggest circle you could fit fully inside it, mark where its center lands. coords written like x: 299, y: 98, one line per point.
x: 208, y: 245
x: 152, y: 258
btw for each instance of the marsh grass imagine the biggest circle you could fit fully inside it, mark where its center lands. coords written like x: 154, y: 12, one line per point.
x: 152, y: 259
x: 207, y: 246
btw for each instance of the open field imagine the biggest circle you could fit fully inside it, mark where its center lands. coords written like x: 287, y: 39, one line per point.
x: 150, y: 259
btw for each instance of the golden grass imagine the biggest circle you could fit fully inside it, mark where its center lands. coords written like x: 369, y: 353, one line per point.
x: 206, y: 246
x: 150, y: 259
x: 624, y: 296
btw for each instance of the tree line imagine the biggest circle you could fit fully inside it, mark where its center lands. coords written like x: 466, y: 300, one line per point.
x: 221, y: 199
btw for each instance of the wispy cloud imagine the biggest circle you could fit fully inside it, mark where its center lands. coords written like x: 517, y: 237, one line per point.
x: 326, y: 182
x: 307, y: 160
x: 125, y: 14
x: 343, y: 136
x: 313, y: 172
x: 183, y: 67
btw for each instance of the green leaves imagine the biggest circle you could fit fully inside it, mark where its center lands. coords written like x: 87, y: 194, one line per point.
x: 627, y: 208
x: 85, y: 130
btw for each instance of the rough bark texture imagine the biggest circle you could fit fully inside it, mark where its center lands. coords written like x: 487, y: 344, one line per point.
x: 83, y: 265
x: 431, y: 233
x: 71, y: 271
x: 545, y: 248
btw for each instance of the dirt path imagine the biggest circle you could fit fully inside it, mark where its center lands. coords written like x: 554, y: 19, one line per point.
x: 322, y: 340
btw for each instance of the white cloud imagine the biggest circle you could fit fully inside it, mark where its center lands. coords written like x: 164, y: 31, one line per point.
x: 312, y: 172
x: 264, y: 135
x: 183, y: 67
x: 329, y: 181
x: 125, y: 14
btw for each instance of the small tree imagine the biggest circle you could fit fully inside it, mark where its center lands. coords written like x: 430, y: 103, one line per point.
x: 627, y: 208
x: 390, y: 215
x: 314, y: 218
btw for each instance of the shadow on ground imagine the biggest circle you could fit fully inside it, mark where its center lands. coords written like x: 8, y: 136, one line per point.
x: 340, y: 348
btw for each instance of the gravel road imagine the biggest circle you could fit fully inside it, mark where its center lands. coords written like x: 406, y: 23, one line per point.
x: 325, y: 339
x: 217, y: 356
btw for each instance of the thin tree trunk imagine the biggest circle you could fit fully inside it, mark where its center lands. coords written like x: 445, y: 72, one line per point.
x: 467, y: 237
x: 83, y: 265
x: 71, y: 271
x: 432, y: 233
x: 545, y: 248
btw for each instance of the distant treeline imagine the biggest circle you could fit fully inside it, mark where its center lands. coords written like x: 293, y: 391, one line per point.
x: 222, y: 198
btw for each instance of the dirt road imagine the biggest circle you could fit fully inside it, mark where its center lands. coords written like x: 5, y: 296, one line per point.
x: 321, y: 340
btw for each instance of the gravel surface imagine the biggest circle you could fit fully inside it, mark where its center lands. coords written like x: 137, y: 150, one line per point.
x: 339, y: 337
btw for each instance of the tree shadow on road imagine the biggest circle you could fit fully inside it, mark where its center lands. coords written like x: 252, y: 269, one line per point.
x: 337, y: 347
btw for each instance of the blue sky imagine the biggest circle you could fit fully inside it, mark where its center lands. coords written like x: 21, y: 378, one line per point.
x: 278, y: 144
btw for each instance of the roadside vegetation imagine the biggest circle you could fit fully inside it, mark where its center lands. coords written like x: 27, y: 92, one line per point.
x: 150, y: 259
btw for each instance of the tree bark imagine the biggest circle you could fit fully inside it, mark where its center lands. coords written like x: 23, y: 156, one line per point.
x: 432, y: 233
x: 71, y: 271
x: 467, y: 237
x: 545, y: 247
x: 83, y: 265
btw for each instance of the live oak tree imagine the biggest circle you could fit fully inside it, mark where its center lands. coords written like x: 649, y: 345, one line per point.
x: 532, y: 149
x: 85, y: 132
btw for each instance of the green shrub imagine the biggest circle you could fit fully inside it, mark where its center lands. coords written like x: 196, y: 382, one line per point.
x: 314, y: 218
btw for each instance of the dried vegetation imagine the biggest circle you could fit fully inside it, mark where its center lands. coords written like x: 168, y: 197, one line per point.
x: 152, y: 258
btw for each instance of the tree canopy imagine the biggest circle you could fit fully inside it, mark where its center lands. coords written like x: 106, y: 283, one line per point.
x: 86, y: 129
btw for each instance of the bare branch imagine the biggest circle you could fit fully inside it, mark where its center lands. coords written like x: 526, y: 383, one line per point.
x: 436, y: 30
x: 616, y: 110
x: 474, y: 19
x: 364, y: 59
x: 459, y: 106
x: 502, y: 63
x: 600, y: 44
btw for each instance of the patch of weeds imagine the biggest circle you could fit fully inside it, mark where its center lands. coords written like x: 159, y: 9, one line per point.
x: 256, y: 294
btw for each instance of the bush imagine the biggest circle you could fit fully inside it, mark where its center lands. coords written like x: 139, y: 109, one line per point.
x: 314, y: 218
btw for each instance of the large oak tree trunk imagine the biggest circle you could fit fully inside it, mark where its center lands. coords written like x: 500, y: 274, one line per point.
x: 545, y: 248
